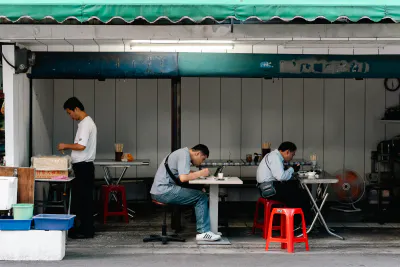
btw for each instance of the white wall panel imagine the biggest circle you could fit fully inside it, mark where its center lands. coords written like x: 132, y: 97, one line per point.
x: 164, y: 119
x: 147, y: 125
x: 355, y: 125
x: 105, y: 121
x: 293, y: 113
x: 251, y: 121
x: 334, y: 125
x: 314, y: 119
x: 210, y: 115
x: 84, y: 91
x: 126, y: 126
x: 231, y: 122
x: 63, y: 124
x: 42, y: 116
x: 272, y: 109
x: 374, y: 110
x: 190, y: 108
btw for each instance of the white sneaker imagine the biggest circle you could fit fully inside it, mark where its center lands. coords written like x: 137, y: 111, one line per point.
x: 208, y: 236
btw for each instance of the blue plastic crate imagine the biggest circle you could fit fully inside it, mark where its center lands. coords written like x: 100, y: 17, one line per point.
x: 55, y: 222
x: 15, y: 225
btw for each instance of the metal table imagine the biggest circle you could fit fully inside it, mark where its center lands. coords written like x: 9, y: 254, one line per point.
x: 220, y: 164
x: 107, y: 164
x: 214, y: 199
x: 56, y: 204
x: 243, y: 163
x: 124, y: 165
x: 324, y: 180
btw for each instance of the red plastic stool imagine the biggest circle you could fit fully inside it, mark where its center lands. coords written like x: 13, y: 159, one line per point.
x: 268, y: 205
x: 287, y: 238
x: 114, y: 189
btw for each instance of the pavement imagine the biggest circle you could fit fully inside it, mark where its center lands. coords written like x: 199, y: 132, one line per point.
x: 127, y: 258
x: 120, y: 244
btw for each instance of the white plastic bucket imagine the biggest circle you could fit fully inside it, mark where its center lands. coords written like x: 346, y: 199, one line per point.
x: 8, y: 192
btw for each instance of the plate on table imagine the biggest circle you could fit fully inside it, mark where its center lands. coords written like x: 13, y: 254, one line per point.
x: 302, y: 174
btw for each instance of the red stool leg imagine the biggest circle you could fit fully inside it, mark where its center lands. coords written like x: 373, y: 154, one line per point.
x: 269, y: 237
x: 283, y: 234
x: 290, y: 232
x: 253, y: 230
x: 105, y: 204
x: 267, y: 215
x: 125, y: 207
x: 304, y: 231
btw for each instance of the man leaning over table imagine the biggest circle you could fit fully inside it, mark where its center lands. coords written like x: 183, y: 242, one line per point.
x: 285, y: 189
x: 169, y: 190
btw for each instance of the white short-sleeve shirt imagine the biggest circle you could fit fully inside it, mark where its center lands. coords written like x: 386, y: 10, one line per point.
x: 86, y: 135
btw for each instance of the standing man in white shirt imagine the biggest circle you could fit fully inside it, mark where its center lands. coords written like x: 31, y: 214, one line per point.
x: 83, y: 154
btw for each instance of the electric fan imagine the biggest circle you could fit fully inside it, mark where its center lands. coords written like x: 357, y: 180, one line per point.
x: 349, y: 190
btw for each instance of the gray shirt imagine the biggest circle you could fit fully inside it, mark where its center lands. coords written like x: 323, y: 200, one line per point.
x: 179, y: 163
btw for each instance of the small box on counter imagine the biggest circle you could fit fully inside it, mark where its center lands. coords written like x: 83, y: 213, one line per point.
x: 51, y: 163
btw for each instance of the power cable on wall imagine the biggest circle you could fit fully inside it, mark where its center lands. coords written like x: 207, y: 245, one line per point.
x: 7, y: 61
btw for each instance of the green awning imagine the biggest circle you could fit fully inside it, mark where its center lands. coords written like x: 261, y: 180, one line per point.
x: 198, y: 10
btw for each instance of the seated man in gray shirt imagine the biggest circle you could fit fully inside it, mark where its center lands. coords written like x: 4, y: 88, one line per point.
x: 167, y: 189
x: 287, y: 190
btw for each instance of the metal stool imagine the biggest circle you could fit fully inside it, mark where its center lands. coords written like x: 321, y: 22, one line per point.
x: 164, y: 238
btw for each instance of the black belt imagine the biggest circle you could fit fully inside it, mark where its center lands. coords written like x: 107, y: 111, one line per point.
x: 83, y: 163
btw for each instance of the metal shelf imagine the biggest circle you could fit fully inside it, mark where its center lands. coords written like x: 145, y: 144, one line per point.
x: 389, y: 121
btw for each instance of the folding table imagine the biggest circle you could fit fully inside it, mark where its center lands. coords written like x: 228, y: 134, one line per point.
x: 124, y: 165
x: 214, y: 198
x: 323, y: 181
x: 57, y: 204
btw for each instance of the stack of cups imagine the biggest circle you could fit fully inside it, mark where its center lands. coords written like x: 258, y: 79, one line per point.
x: 118, y: 151
x: 313, y: 159
x: 266, y: 148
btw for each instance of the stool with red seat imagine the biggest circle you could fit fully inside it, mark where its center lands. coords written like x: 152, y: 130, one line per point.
x: 287, y: 238
x: 164, y: 238
x: 268, y: 206
x: 117, y: 191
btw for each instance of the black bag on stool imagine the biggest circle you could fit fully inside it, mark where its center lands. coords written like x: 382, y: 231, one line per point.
x: 267, y: 189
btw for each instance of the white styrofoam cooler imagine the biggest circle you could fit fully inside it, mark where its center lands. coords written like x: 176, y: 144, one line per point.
x: 8, y: 192
x: 33, y: 245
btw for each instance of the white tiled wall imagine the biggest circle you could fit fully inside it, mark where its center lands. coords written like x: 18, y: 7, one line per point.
x: 335, y: 118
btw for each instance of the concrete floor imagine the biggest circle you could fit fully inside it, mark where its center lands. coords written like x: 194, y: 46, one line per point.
x: 120, y: 244
x: 119, y: 234
x: 126, y: 258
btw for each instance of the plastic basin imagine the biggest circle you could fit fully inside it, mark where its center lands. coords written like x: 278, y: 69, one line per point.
x: 15, y: 225
x: 55, y: 222
x: 22, y: 211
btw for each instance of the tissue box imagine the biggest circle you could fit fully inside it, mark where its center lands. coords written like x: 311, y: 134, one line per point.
x: 51, y: 163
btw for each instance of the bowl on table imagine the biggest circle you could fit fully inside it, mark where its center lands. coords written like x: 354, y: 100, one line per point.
x: 311, y: 174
